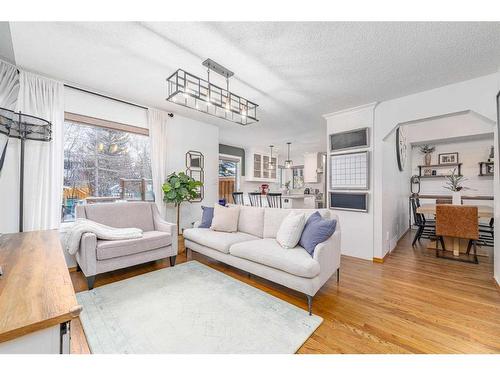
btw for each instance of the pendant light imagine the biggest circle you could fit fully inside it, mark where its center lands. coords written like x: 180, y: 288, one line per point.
x: 271, y: 164
x: 288, y: 162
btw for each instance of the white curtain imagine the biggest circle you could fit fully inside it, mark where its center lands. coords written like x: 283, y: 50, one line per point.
x: 9, y: 85
x: 157, y: 123
x: 43, y: 182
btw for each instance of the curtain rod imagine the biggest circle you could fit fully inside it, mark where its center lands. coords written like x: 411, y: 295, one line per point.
x: 105, y: 96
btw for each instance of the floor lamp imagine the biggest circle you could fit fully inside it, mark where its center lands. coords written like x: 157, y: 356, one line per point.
x: 23, y: 127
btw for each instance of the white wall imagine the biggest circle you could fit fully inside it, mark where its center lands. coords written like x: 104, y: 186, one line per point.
x: 87, y: 104
x: 186, y: 135
x: 391, y: 185
x: 470, y: 153
x: 354, y: 223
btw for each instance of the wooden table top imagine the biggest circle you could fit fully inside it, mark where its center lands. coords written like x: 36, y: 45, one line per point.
x: 35, y: 289
x: 483, y: 211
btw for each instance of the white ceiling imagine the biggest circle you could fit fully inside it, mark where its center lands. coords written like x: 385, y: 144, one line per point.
x: 296, y: 72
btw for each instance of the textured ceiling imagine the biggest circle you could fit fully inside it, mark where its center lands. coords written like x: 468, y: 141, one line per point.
x: 295, y: 71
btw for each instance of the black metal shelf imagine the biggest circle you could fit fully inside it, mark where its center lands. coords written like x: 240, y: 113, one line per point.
x: 454, y: 165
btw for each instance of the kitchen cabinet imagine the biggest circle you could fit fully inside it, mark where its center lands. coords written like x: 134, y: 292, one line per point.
x: 258, y: 167
x: 312, y: 164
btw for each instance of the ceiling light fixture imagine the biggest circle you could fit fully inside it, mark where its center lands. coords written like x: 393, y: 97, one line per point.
x: 288, y: 162
x: 194, y: 92
x: 271, y: 164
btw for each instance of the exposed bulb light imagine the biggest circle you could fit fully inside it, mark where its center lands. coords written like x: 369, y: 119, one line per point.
x: 288, y: 162
x: 271, y: 164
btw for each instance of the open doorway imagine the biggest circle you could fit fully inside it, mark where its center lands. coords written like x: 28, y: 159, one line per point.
x: 229, y: 176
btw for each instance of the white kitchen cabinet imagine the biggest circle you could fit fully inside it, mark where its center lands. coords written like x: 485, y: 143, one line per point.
x: 258, y: 167
x: 312, y: 162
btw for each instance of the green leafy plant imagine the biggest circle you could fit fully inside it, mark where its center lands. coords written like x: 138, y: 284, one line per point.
x: 454, y: 181
x: 178, y: 188
x: 287, y: 185
x: 427, y: 149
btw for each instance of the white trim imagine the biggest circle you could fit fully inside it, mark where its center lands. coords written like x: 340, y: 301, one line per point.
x: 349, y: 110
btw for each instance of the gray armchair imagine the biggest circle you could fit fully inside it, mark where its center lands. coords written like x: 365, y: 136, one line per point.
x: 98, y: 256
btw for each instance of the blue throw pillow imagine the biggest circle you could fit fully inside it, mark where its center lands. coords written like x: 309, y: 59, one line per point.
x: 316, y: 230
x: 206, y: 218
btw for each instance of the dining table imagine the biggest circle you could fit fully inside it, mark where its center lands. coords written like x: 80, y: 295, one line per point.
x: 483, y: 212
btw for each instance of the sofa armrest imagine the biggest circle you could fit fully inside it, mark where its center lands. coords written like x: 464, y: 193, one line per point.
x: 327, y: 254
x: 86, y: 255
x: 197, y: 223
x: 164, y: 226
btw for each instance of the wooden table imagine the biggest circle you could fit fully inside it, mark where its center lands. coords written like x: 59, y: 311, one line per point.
x: 37, y: 299
x: 430, y: 209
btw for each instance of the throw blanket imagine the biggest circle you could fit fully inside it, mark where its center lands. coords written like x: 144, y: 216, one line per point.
x: 103, y: 232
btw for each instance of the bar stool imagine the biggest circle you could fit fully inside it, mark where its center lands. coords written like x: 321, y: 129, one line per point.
x: 238, y: 197
x: 255, y: 199
x: 274, y: 200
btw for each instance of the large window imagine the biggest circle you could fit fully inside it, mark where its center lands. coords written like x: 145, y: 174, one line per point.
x: 104, y: 163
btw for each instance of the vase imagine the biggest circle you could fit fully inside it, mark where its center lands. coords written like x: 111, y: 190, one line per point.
x: 427, y: 159
x: 456, y: 198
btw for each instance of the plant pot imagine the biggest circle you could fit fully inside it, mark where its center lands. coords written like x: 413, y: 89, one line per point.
x: 428, y: 159
x: 456, y: 198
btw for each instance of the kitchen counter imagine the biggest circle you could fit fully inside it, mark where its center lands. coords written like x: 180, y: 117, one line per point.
x: 299, y: 201
x: 298, y: 196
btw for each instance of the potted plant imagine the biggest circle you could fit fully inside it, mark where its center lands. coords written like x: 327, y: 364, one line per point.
x: 178, y: 188
x: 427, y: 150
x: 287, y: 187
x: 454, y: 183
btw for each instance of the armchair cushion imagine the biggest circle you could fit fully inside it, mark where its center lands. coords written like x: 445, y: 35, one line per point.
x: 150, y: 241
x: 122, y: 214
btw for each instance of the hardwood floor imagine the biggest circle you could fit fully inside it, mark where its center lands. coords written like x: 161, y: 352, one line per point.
x: 411, y: 303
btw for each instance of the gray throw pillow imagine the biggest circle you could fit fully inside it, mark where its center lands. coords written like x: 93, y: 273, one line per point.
x: 207, y: 216
x: 316, y: 230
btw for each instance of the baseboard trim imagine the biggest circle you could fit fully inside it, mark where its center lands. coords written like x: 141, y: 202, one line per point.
x: 378, y: 260
x: 72, y: 269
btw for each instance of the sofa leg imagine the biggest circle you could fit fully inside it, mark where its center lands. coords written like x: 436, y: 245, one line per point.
x: 90, y: 282
x: 172, y: 260
x: 338, y: 275
x: 78, y: 268
x: 309, y: 304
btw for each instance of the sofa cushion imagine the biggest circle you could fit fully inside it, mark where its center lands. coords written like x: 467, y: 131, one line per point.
x: 206, y: 217
x: 273, y: 218
x: 251, y: 221
x: 220, y: 241
x: 151, y: 240
x: 268, y: 252
x: 291, y: 228
x: 316, y: 231
x: 122, y: 214
x: 225, y: 218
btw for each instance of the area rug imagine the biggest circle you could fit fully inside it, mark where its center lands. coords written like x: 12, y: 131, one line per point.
x: 191, y: 308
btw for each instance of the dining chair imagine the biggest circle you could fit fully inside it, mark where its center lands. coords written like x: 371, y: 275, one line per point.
x: 274, y: 200
x: 425, y: 229
x: 487, y: 233
x: 238, y: 197
x: 255, y: 199
x: 458, y: 222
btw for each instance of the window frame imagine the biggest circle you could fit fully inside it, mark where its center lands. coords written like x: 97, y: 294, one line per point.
x: 111, y: 125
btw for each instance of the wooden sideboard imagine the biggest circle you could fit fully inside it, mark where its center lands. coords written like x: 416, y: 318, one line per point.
x: 37, y: 299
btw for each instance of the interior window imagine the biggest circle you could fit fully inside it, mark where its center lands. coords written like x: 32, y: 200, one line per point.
x: 104, y: 164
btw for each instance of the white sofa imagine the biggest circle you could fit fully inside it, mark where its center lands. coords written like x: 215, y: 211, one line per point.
x: 253, y: 248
